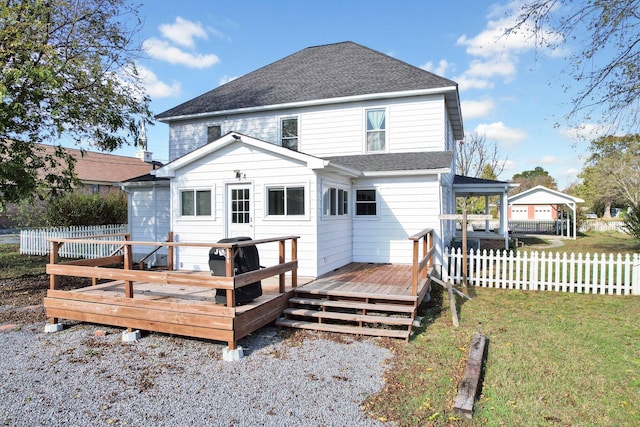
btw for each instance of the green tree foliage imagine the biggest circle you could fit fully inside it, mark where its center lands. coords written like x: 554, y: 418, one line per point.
x: 67, y: 73
x: 612, y: 173
x: 604, y: 37
x: 632, y: 222
x: 531, y: 178
x: 84, y: 209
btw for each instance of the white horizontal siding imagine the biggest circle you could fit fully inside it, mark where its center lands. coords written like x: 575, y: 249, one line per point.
x: 149, y: 219
x: 406, y: 206
x: 414, y: 124
x: 335, y: 246
x: 259, y: 169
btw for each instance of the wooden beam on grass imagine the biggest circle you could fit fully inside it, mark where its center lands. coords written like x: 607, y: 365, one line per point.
x: 470, y: 386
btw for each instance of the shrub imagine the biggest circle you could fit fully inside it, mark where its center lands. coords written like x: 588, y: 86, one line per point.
x: 76, y: 209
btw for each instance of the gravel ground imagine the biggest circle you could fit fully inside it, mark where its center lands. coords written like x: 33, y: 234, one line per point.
x: 76, y: 378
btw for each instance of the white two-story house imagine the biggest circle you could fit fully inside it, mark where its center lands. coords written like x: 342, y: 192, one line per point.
x: 348, y: 148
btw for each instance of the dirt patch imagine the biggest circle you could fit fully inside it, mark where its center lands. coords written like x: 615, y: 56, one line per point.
x: 21, y: 298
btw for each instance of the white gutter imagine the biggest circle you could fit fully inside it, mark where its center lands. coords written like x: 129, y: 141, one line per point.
x: 314, y: 102
x: 422, y: 172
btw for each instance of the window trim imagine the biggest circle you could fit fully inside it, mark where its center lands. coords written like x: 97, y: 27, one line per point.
x: 195, y: 191
x: 366, y: 132
x: 377, y: 203
x: 337, y: 201
x: 281, y: 128
x: 284, y: 217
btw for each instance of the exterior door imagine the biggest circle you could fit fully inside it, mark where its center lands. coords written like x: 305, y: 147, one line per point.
x: 239, y: 210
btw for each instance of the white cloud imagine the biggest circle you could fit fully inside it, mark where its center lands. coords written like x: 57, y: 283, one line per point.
x: 156, y: 88
x: 494, y: 67
x: 505, y: 136
x: 440, y: 70
x: 164, y: 51
x: 493, y: 40
x: 226, y: 79
x: 466, y: 83
x: 475, y: 109
x: 183, y: 32
x: 585, y: 132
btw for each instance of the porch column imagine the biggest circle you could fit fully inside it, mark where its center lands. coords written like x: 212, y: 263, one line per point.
x: 504, y: 201
x: 486, y: 211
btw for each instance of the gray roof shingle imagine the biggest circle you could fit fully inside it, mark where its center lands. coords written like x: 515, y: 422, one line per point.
x: 319, y: 72
x: 388, y: 162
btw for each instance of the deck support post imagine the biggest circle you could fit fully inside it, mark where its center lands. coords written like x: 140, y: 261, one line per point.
x: 281, y: 261
x: 128, y: 284
x: 294, y: 257
x: 232, y: 354
x: 229, y: 254
x: 54, y: 258
x: 170, y: 251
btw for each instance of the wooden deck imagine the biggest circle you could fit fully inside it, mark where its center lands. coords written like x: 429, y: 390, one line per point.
x: 360, y: 298
x: 174, y: 309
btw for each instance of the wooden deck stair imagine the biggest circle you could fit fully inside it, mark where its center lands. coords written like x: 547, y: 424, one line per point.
x: 352, y: 313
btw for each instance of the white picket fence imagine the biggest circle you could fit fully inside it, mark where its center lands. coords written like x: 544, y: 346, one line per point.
x: 613, y: 274
x: 601, y: 225
x: 34, y: 242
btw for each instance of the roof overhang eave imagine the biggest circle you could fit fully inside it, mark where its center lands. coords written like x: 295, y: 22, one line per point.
x: 418, y: 172
x: 314, y: 102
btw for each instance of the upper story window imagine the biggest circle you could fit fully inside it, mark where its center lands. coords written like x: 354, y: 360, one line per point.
x: 213, y: 132
x: 289, y: 133
x: 195, y: 202
x: 285, y: 200
x: 376, y: 122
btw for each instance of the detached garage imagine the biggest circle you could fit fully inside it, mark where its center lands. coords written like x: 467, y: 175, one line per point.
x: 542, y: 204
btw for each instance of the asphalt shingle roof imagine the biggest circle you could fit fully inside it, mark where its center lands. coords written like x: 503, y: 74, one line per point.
x: 386, y: 162
x: 319, y: 72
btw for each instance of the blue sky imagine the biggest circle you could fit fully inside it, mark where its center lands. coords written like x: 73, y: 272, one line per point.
x: 509, y: 91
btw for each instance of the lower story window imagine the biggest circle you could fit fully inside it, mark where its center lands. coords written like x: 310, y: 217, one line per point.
x: 195, y: 202
x: 335, y: 201
x: 285, y: 201
x: 366, y: 202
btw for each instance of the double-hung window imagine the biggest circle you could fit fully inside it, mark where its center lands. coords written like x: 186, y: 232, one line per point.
x: 335, y: 201
x: 285, y: 200
x: 289, y: 132
x: 376, y: 129
x: 195, y: 202
x: 366, y: 202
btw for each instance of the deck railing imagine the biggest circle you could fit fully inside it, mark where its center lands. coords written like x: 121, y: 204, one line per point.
x: 421, y: 265
x: 96, y: 268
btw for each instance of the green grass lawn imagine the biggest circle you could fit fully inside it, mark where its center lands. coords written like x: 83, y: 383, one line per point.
x: 12, y: 264
x: 593, y: 242
x: 553, y: 359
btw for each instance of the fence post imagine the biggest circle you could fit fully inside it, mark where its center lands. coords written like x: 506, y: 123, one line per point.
x: 635, y: 275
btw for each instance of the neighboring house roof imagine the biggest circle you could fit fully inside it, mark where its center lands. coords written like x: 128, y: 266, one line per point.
x: 432, y: 161
x: 98, y: 168
x: 469, y: 186
x: 361, y: 165
x: 321, y: 75
x: 541, y: 195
